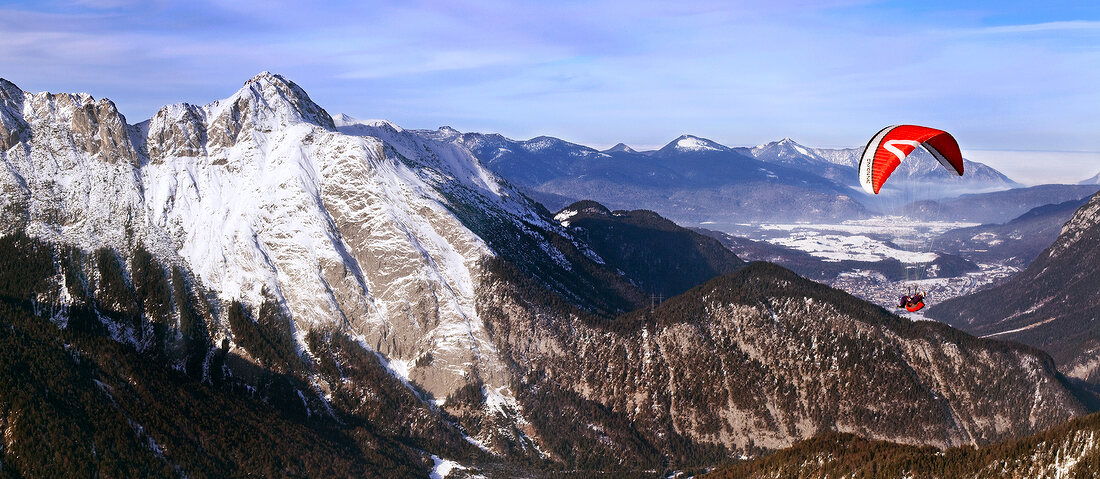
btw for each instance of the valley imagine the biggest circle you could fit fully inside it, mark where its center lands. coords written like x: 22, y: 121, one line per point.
x: 876, y: 259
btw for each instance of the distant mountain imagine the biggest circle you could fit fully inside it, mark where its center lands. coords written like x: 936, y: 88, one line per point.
x: 619, y: 148
x: 531, y: 162
x: 1050, y: 305
x: 919, y: 167
x: 836, y: 166
x: 1015, y: 243
x: 690, y: 144
x: 998, y: 206
x: 1091, y: 181
x: 1065, y: 451
x: 663, y: 258
x: 689, y: 180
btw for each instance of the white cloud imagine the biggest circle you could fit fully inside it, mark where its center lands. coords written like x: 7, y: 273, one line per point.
x: 1040, y: 167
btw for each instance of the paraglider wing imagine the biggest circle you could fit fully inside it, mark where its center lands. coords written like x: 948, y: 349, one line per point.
x: 892, y: 144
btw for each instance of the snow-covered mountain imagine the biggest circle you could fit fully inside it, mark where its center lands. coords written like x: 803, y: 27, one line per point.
x: 620, y: 148
x: 789, y: 152
x: 690, y: 179
x: 1091, y: 181
x: 840, y: 164
x: 260, y: 198
x: 833, y: 164
x: 365, y: 229
x: 690, y: 144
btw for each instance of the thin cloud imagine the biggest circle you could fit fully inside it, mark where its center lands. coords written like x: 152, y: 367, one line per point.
x: 600, y: 72
x: 1066, y: 26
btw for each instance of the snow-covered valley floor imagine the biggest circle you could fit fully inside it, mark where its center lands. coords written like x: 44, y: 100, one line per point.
x: 873, y: 240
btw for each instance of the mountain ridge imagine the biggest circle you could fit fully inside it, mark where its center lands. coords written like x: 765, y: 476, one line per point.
x: 1048, y: 305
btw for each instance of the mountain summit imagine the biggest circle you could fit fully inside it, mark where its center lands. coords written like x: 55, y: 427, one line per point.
x: 692, y: 144
x: 620, y: 148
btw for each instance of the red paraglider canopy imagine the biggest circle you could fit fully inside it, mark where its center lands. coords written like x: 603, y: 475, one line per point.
x: 892, y: 144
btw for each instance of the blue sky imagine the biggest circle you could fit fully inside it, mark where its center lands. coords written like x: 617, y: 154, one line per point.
x: 1006, y: 75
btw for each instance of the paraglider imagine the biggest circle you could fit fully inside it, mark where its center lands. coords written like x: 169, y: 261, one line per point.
x: 892, y: 144
x: 885, y: 152
x: 912, y: 303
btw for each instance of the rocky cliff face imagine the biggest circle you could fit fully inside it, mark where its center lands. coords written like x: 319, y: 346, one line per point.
x: 762, y: 358
x: 1051, y: 304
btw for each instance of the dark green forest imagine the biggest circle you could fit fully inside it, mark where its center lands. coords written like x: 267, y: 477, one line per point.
x: 847, y: 455
x: 74, y: 402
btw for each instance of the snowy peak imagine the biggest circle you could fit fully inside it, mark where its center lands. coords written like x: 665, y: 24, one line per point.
x: 267, y: 101
x: 12, y: 127
x: 92, y: 126
x: 342, y: 119
x: 548, y: 143
x: 278, y: 94
x: 10, y: 94
x: 689, y: 143
x: 176, y: 131
x: 620, y: 148
x: 1091, y: 181
x: 787, y: 151
x: 446, y: 133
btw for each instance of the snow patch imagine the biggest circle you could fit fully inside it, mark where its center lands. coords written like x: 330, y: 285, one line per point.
x: 849, y: 247
x: 564, y: 215
x: 444, y: 467
x: 691, y: 143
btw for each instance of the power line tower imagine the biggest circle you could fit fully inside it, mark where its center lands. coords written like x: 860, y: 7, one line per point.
x: 655, y: 300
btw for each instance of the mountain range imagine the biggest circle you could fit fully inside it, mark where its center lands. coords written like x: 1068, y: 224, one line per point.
x: 841, y: 165
x: 997, y: 206
x: 693, y: 179
x: 254, y: 286
x: 1015, y: 243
